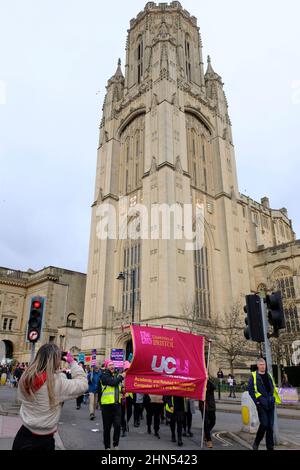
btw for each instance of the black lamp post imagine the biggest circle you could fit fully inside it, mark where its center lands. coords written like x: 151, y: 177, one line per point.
x: 122, y: 277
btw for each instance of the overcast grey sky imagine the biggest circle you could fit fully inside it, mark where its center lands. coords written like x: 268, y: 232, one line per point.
x: 55, y: 55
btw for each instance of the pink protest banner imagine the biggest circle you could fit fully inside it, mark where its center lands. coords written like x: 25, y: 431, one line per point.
x: 167, y: 362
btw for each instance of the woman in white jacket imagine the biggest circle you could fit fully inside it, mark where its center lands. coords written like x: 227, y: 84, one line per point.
x: 42, y: 390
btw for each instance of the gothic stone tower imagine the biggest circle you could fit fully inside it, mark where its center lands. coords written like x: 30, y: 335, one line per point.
x: 165, y: 138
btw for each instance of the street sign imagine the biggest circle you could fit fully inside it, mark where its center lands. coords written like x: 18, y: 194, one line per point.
x: 33, y: 335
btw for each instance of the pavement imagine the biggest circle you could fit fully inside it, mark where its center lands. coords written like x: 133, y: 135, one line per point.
x: 76, y: 431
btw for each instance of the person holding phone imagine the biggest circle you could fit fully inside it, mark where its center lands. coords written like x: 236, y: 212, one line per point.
x: 42, y: 390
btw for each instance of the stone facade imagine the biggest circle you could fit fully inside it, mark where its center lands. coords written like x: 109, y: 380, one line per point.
x: 166, y: 138
x: 63, y: 315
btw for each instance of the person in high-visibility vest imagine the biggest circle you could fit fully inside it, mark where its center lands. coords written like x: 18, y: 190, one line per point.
x: 175, y: 408
x: 110, y: 401
x: 264, y: 393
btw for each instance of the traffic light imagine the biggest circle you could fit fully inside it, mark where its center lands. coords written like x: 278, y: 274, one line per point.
x: 275, y: 312
x: 35, y: 319
x: 254, y: 330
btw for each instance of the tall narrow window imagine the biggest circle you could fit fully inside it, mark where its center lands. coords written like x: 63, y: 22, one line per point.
x: 131, y: 264
x: 5, y: 323
x: 136, y: 175
x: 188, y: 67
x: 140, y: 60
x: 205, y: 179
x: 137, y: 159
x: 202, y: 283
x: 194, y: 149
x: 10, y: 324
x: 195, y: 174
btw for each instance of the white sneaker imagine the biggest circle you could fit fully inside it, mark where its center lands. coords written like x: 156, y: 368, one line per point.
x: 116, y: 448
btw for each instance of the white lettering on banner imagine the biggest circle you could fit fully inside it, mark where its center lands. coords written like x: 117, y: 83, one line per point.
x: 164, y: 365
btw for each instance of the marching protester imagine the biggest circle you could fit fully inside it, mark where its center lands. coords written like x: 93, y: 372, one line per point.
x: 210, y: 412
x: 153, y: 405
x: 79, y: 400
x: 189, y: 410
x: 93, y: 377
x: 264, y: 393
x: 138, y: 399
x: 127, y: 404
x: 111, y: 394
x: 42, y: 389
x: 175, y: 408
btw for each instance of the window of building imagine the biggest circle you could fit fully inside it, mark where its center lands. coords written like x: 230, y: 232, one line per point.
x: 132, y: 264
x: 5, y: 321
x: 188, y: 66
x: 132, y: 156
x: 281, y: 229
x: 140, y: 60
x: 205, y: 179
x: 255, y: 217
x: 198, y: 150
x: 51, y: 339
x: 203, y: 152
x: 284, y: 282
x: 265, y: 222
x: 202, y: 283
x: 10, y: 324
x: 71, y: 320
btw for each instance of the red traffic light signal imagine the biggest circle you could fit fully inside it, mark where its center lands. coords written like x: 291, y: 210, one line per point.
x: 36, y: 304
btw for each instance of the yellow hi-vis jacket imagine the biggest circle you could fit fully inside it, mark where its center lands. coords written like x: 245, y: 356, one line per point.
x: 108, y: 394
x: 168, y: 409
x: 275, y: 392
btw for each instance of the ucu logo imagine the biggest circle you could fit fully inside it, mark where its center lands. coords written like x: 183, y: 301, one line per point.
x: 170, y: 365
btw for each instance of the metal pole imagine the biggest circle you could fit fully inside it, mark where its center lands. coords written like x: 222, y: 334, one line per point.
x: 204, y: 403
x: 32, y: 352
x: 133, y: 295
x: 269, y: 365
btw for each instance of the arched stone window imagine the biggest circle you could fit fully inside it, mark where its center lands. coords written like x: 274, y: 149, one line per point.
x: 132, y: 156
x: 198, y: 150
x: 71, y: 320
x: 283, y: 281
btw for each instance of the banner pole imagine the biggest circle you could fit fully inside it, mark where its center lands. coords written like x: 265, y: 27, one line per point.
x: 204, y: 403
